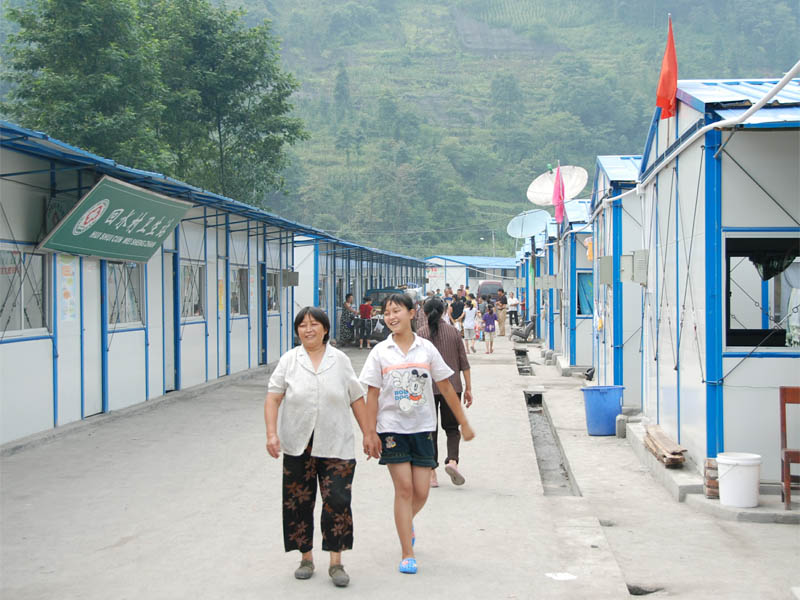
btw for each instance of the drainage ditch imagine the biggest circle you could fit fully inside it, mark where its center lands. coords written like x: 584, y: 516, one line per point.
x: 523, y: 363
x: 552, y: 462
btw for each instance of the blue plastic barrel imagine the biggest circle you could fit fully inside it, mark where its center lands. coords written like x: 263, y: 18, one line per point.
x: 603, y: 403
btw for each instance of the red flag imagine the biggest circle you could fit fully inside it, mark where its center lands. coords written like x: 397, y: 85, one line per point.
x: 668, y: 81
x: 558, y: 195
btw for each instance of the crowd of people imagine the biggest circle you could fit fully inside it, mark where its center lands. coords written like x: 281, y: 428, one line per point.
x: 413, y: 381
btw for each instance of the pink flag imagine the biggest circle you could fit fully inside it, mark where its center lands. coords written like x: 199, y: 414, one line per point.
x: 558, y: 195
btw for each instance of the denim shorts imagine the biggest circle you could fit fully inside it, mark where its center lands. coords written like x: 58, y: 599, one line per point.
x: 416, y: 448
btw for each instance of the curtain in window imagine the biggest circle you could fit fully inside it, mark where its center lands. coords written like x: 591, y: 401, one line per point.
x: 585, y: 294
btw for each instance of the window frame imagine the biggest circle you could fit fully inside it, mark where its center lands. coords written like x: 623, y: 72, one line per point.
x: 45, y: 309
x: 735, y: 247
x: 236, y: 286
x: 140, y: 297
x: 202, y: 294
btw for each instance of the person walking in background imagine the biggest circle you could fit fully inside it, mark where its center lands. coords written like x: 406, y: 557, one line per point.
x: 348, y: 321
x: 399, y: 373
x: 482, y: 304
x: 470, y: 315
x: 457, y: 313
x: 513, y: 310
x: 447, y: 341
x: 500, y: 307
x: 365, y: 322
x: 307, y: 415
x: 489, y: 321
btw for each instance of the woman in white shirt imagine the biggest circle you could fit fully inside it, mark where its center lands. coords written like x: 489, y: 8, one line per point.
x: 513, y: 309
x: 307, y: 414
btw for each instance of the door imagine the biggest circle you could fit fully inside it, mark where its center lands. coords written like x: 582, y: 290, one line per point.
x: 92, y: 359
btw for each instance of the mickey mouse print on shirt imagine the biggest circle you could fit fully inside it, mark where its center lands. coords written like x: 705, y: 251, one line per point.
x: 409, y: 387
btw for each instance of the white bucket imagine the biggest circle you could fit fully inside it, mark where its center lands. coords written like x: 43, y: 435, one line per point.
x: 739, y: 474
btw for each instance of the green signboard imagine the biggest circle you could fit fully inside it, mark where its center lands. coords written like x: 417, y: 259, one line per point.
x: 117, y: 221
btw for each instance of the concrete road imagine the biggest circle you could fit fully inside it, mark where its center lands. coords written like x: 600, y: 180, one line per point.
x: 179, y: 499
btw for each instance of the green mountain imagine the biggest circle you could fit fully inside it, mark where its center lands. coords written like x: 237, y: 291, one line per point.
x: 429, y: 119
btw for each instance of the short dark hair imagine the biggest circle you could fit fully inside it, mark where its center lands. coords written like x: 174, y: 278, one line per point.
x: 318, y: 315
x: 399, y: 299
x: 348, y: 296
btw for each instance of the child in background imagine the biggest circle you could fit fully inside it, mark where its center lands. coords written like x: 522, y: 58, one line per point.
x: 399, y: 373
x: 489, y: 321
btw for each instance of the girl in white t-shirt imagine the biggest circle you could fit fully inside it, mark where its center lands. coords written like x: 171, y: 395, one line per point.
x: 399, y: 372
x: 470, y: 315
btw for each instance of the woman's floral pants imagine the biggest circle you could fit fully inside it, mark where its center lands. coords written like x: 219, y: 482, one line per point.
x: 300, y: 477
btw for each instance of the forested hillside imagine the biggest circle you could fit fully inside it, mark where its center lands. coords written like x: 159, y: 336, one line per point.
x: 429, y: 118
x: 417, y: 124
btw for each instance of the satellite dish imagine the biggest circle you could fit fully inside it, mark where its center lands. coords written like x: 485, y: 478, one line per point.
x: 528, y: 223
x: 540, y: 191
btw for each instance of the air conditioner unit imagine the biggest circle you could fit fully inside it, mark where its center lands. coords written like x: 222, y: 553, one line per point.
x: 605, y: 270
x: 641, y: 258
x: 290, y: 278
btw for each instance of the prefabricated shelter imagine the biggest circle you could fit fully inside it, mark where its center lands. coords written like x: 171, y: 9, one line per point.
x: 329, y: 269
x: 721, y: 220
x: 550, y: 283
x: 617, y: 236
x: 525, y: 280
x: 576, y: 287
x: 118, y: 285
x: 469, y: 271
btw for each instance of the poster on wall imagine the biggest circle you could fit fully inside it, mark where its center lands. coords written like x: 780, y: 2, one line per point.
x: 67, y: 292
x: 221, y: 295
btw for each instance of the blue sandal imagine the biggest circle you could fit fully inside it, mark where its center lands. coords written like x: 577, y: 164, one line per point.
x: 413, y: 536
x: 408, y: 565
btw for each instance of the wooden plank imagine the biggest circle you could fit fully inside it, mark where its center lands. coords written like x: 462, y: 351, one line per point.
x: 663, y: 441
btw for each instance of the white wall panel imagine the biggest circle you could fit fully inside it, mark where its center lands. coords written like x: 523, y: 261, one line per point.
x: 193, y: 354
x: 238, y: 345
x: 154, y: 308
x: 772, y: 159
x: 26, y: 403
x: 752, y: 409
x: 69, y: 338
x: 125, y: 369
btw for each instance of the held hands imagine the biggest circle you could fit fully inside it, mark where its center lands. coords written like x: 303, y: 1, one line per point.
x: 466, y: 432
x: 467, y: 398
x: 372, y: 445
x: 273, y: 445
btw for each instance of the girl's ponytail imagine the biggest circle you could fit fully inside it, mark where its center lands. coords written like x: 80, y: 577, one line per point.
x: 434, y: 308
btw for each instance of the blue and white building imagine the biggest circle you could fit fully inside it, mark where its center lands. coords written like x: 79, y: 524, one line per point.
x: 86, y: 334
x: 721, y: 222
x: 469, y: 271
x: 618, y: 304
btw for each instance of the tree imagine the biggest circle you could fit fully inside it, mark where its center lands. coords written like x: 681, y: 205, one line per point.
x: 507, y: 99
x: 341, y: 92
x: 229, y: 101
x: 88, y: 73
x: 176, y: 86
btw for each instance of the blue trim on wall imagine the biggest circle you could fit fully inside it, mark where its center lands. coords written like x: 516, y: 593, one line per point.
x: 715, y: 441
x: 176, y: 305
x: 616, y: 287
x: 677, y: 292
x: 765, y: 305
x: 777, y: 229
x: 163, y: 329
x: 104, y: 332
x: 550, y: 315
x: 652, y: 133
x: 316, y: 274
x: 55, y: 340
x: 249, y: 304
x: 227, y: 294
x: 146, y: 336
x: 761, y: 355
x: 205, y: 283
x: 537, y: 266
x: 573, y: 297
x: 82, y: 336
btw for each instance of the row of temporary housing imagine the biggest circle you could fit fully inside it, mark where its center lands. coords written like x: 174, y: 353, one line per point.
x: 680, y: 278
x: 102, y: 308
